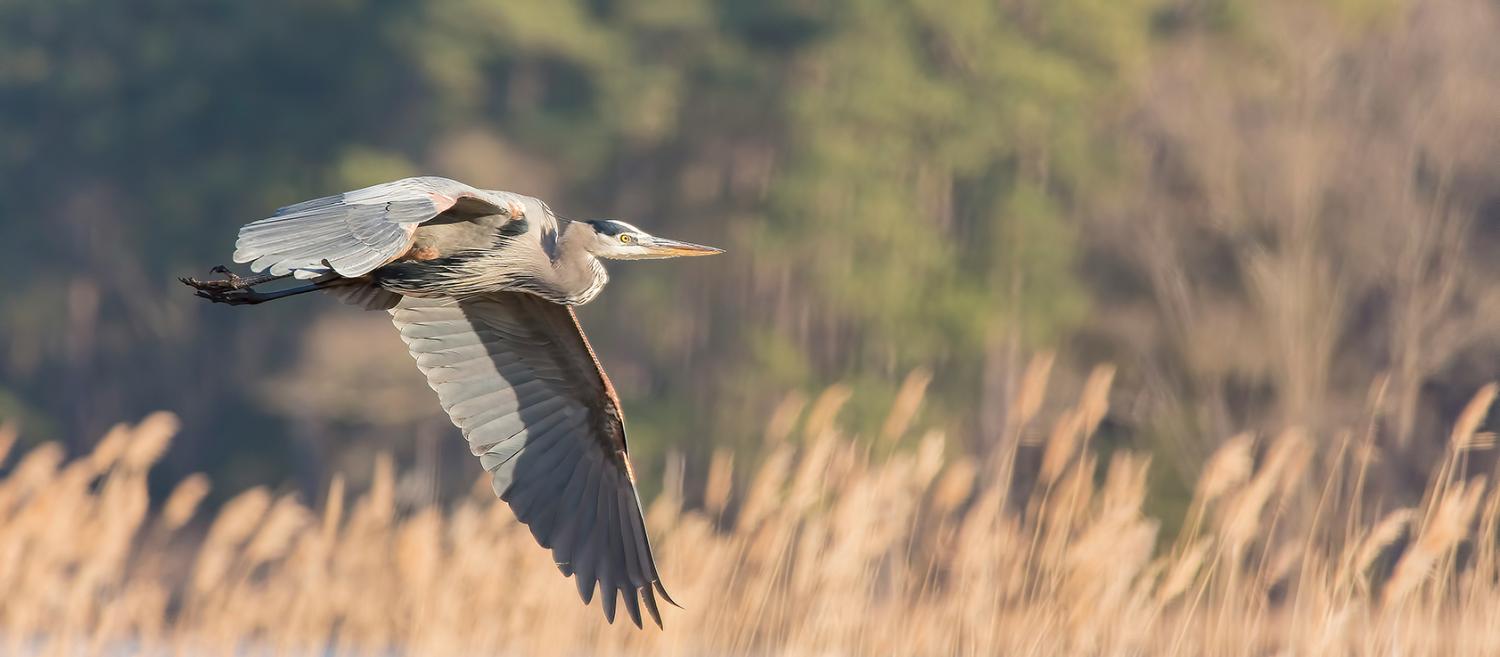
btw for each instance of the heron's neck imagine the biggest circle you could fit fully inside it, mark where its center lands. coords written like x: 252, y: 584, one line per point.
x: 577, y: 274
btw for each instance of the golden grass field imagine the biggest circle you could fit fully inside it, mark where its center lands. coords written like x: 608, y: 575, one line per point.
x: 833, y: 546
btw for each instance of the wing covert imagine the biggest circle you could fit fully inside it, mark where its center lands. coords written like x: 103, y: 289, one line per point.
x: 357, y: 231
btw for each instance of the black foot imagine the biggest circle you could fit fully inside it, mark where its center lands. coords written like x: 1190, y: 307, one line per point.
x: 232, y: 289
x: 231, y: 280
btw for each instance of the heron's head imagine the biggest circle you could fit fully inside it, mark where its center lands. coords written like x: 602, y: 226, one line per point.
x: 621, y: 241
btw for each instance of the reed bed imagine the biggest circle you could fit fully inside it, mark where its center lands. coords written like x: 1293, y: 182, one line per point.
x: 832, y: 545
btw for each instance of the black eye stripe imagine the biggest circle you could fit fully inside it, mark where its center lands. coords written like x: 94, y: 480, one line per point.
x: 606, y: 227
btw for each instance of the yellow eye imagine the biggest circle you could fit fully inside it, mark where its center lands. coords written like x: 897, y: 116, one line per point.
x: 626, y: 238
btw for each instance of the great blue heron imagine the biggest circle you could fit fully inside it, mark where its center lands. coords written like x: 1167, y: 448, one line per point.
x: 481, y: 285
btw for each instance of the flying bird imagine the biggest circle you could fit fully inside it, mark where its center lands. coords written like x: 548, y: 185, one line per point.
x: 481, y: 285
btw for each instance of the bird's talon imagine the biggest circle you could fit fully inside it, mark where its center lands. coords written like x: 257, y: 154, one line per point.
x: 231, y: 281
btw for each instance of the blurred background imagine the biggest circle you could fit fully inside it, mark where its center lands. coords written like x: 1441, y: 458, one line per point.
x: 1265, y: 213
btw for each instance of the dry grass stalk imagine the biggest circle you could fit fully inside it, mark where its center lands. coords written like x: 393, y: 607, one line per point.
x: 833, y: 553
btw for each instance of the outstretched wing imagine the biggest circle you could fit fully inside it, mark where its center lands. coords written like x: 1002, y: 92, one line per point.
x: 519, y: 378
x: 356, y: 232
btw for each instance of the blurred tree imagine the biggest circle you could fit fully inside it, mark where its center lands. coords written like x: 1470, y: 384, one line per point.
x: 1183, y: 186
x: 1311, y: 224
x: 936, y: 155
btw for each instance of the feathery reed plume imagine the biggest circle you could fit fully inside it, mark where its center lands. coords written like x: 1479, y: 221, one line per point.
x: 784, y: 418
x: 109, y: 448
x: 1242, y: 514
x: 929, y: 462
x: 418, y: 550
x: 149, y: 440
x: 1061, y: 444
x: 720, y: 481
x: 36, y: 468
x: 9, y: 432
x: 1448, y: 526
x: 1183, y: 571
x: 1093, y: 405
x: 285, y: 520
x: 825, y: 409
x: 908, y: 401
x: 811, y: 471
x: 765, y: 489
x: 379, y: 505
x: 1460, y: 442
x: 184, y: 501
x: 1229, y: 467
x: 1390, y: 528
x: 954, y: 487
x: 333, y: 509
x: 1472, y: 416
x: 1033, y: 389
x: 1124, y: 490
x: 234, y: 524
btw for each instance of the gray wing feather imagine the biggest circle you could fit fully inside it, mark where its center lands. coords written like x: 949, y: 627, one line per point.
x: 600, y: 554
x: 632, y: 566
x: 355, y: 232
x: 516, y: 375
x: 571, y: 499
x: 580, y: 559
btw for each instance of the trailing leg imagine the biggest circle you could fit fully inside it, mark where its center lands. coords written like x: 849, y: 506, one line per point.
x: 239, y: 291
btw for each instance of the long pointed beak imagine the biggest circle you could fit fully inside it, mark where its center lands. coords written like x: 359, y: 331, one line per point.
x: 674, y: 248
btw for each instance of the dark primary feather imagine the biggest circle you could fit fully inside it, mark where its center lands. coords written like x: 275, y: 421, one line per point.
x: 518, y: 377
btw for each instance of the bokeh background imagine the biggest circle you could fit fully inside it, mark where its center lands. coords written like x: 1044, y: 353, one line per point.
x: 1264, y: 213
